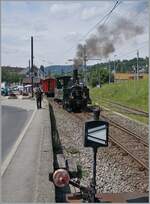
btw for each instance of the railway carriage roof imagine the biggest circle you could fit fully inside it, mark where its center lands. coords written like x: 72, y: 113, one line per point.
x: 63, y: 77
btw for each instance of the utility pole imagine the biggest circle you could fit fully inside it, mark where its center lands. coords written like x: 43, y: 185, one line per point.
x: 134, y: 69
x: 84, y: 64
x: 137, y: 68
x: 29, y: 69
x: 114, y: 71
x: 109, y: 71
x: 32, y: 63
x: 98, y: 75
x: 99, y: 78
x: 114, y: 67
x: 44, y: 72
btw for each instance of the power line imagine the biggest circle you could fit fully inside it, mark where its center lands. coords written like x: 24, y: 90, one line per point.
x: 126, y: 54
x: 105, y: 18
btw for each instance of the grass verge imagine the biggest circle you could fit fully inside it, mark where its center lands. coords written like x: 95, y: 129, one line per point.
x: 133, y: 94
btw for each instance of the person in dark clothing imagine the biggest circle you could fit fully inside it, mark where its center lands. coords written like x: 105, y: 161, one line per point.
x: 38, y: 95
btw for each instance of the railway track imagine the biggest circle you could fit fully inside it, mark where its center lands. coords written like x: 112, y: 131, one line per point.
x: 131, y: 143
x: 128, y: 110
x: 115, y: 163
x: 138, y: 152
x: 124, y: 129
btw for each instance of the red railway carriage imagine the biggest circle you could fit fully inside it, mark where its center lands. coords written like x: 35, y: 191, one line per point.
x: 48, y: 86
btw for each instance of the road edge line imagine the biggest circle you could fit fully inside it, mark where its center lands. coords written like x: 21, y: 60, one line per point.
x: 7, y: 161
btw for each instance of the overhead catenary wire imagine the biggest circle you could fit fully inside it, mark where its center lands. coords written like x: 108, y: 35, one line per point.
x: 127, y: 53
x: 132, y: 51
x: 104, y: 18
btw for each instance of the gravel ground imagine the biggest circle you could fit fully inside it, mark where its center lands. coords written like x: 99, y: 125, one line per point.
x: 115, y: 172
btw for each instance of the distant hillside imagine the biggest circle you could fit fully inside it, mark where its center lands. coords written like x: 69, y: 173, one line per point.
x: 58, y: 69
x: 13, y: 69
x: 61, y: 69
x: 12, y: 74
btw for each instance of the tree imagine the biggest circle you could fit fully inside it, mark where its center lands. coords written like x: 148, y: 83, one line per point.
x: 98, y: 74
x: 10, y: 77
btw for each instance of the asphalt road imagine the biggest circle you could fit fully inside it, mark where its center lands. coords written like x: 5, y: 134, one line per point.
x: 13, y: 121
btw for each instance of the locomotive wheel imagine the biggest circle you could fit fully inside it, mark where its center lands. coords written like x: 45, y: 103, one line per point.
x: 70, y: 108
x: 76, y: 108
x: 66, y: 107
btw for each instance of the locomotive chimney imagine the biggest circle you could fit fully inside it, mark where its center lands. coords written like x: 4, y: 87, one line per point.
x: 75, y: 75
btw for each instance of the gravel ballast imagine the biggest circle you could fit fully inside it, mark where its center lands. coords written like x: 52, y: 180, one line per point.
x: 115, y: 172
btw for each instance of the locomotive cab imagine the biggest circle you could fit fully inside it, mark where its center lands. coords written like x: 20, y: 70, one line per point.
x: 61, y: 86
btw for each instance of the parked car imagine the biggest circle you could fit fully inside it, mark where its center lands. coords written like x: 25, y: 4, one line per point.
x: 4, y: 91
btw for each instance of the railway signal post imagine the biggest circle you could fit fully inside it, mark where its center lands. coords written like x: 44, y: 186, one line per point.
x: 96, y: 135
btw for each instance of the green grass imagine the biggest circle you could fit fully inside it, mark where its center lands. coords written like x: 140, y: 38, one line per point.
x: 138, y: 118
x: 130, y: 93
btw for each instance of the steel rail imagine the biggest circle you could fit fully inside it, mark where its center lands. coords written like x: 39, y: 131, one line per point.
x: 126, y: 150
x: 145, y: 166
x: 121, y: 145
x: 129, y: 109
x: 126, y: 131
x: 115, y: 124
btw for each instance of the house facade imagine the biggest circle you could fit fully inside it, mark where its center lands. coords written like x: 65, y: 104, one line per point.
x: 119, y: 77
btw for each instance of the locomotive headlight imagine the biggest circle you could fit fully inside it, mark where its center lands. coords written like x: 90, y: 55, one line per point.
x: 61, y: 178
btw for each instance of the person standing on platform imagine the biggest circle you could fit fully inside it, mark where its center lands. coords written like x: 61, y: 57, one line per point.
x: 38, y: 95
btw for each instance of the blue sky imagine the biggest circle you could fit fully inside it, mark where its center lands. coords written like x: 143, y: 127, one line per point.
x: 57, y: 27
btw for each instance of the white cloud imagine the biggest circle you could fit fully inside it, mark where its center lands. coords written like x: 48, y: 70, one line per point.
x: 57, y: 27
x: 64, y: 8
x: 72, y: 36
x: 100, y: 9
x: 89, y: 13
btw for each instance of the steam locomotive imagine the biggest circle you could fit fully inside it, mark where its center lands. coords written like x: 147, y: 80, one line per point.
x: 73, y: 95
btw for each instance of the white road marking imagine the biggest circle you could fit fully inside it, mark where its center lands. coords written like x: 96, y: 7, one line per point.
x: 7, y: 161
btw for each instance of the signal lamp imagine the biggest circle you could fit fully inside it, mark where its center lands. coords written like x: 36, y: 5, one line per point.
x: 61, y: 178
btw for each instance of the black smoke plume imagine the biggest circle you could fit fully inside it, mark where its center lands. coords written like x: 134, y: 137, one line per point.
x: 103, y: 43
